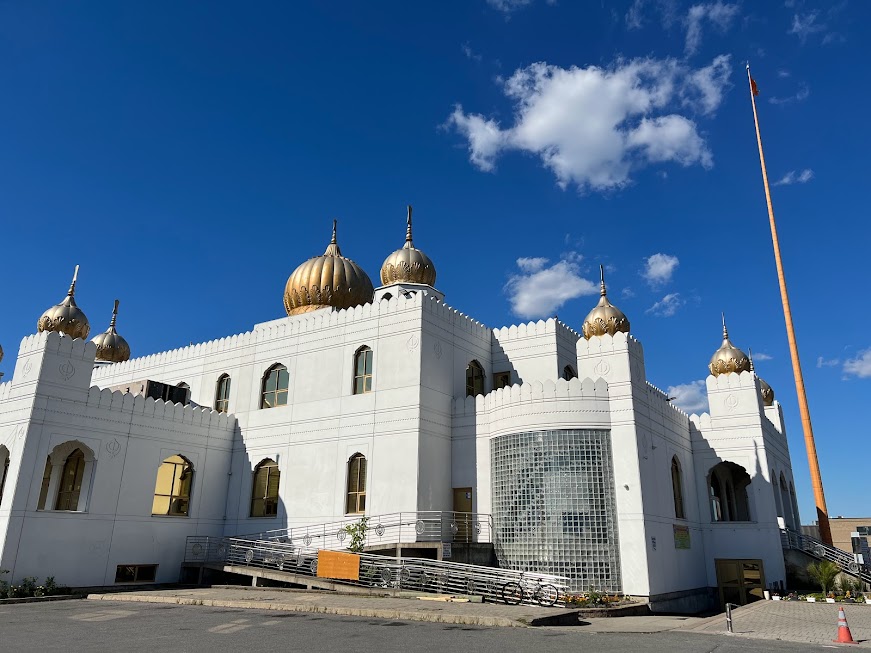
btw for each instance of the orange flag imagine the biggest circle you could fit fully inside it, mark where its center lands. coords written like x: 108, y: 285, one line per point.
x: 753, y: 86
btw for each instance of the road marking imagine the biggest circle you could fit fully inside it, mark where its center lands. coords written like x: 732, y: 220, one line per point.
x: 104, y: 615
x: 232, y: 627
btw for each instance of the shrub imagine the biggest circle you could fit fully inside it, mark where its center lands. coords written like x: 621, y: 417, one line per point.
x: 358, y: 535
x: 824, y: 573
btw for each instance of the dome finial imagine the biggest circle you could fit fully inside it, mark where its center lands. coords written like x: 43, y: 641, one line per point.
x: 728, y: 358
x: 333, y: 247
x: 114, y: 315
x: 602, y: 291
x: 72, y: 290
x: 111, y: 347
x: 605, y: 317
x: 408, y: 243
x: 725, y: 331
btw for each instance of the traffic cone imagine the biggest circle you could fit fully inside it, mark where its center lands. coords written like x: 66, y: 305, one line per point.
x: 844, y: 635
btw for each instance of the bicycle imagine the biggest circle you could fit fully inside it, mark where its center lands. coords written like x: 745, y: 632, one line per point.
x: 513, y: 593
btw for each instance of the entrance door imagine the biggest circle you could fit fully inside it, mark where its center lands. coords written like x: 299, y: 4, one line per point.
x: 740, y: 581
x: 463, y: 504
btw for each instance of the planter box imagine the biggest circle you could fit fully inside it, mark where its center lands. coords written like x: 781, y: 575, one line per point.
x: 811, y: 599
x: 775, y: 598
x: 868, y: 601
x: 830, y: 600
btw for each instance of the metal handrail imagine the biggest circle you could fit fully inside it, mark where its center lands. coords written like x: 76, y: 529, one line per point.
x: 791, y: 539
x: 414, y: 574
x: 391, y: 528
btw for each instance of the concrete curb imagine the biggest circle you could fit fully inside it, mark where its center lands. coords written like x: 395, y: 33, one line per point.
x: 405, y: 615
x: 42, y: 599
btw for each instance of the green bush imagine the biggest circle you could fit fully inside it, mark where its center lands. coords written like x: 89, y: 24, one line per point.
x: 824, y: 573
x: 358, y: 535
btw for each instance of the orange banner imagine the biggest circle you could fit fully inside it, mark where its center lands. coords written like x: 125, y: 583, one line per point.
x: 338, y: 565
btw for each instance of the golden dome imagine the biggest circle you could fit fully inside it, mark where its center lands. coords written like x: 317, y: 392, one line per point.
x: 605, y: 318
x: 765, y: 390
x: 326, y: 281
x: 66, y: 317
x: 728, y: 358
x: 409, y: 264
x: 110, y: 346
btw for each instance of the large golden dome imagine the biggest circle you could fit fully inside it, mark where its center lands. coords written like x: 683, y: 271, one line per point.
x: 728, y: 358
x: 327, y: 281
x: 605, y: 318
x: 409, y: 264
x: 66, y: 317
x: 111, y: 347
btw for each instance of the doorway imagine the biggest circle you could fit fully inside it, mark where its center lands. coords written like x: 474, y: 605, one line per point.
x: 740, y: 581
x: 463, y: 504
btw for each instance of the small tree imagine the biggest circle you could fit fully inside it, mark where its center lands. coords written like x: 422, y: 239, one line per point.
x: 358, y: 535
x: 824, y: 573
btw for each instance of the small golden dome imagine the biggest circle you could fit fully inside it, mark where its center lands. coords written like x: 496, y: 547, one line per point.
x: 765, y: 390
x: 605, y: 318
x: 409, y: 264
x: 66, y: 317
x: 728, y: 358
x: 330, y: 280
x: 111, y: 347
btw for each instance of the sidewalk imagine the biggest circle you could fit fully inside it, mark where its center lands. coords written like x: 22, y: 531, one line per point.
x: 793, y: 621
x: 408, y: 608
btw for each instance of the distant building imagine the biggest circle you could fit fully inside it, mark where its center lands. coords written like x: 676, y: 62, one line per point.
x: 365, y: 401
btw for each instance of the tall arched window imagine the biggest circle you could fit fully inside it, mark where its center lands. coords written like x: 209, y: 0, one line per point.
x: 222, y: 394
x: 474, y: 379
x: 4, y: 464
x: 43, y: 489
x: 727, y: 484
x: 356, y: 495
x: 274, y: 390
x: 172, y: 491
x: 778, y: 506
x: 363, y: 371
x: 569, y: 373
x: 264, y: 493
x: 71, y: 482
x: 677, y: 489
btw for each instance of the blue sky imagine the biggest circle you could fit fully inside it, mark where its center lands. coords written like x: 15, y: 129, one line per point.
x: 190, y: 155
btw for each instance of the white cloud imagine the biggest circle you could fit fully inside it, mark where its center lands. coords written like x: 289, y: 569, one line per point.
x: 690, y: 397
x: 794, y: 177
x: 633, y: 16
x: 783, y: 73
x: 592, y: 126
x: 762, y: 356
x: 667, y: 306
x: 719, y: 14
x: 659, y: 269
x: 801, y: 95
x: 803, y: 25
x: 828, y: 362
x: 508, y: 6
x: 539, y: 290
x: 859, y: 366
x: 470, y: 54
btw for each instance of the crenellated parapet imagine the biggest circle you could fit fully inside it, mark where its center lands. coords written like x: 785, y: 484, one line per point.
x: 518, y: 395
x: 534, y: 328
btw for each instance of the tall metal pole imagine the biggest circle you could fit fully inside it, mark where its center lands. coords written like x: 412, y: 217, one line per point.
x: 813, y: 463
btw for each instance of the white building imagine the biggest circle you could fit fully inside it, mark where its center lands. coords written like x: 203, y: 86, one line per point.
x: 374, y: 401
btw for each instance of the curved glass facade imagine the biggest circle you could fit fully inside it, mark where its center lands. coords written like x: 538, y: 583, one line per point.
x: 553, y: 505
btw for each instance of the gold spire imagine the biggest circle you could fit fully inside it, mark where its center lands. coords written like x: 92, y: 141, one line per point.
x: 111, y: 347
x: 66, y: 317
x: 728, y: 358
x: 605, y: 317
x: 329, y: 280
x: 765, y: 390
x: 408, y: 264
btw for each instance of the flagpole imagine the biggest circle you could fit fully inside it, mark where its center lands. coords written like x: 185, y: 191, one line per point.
x: 813, y: 462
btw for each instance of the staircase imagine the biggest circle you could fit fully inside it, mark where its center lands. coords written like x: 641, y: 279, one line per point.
x: 791, y: 539
x: 291, y: 555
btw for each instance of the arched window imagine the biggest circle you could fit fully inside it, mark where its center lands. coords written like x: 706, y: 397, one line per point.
x: 4, y: 463
x: 569, y: 373
x: 274, y: 390
x: 172, y: 491
x: 264, y: 493
x: 43, y: 489
x: 386, y: 297
x: 778, y: 505
x: 71, y: 482
x: 356, y: 496
x: 474, y: 379
x: 222, y: 394
x: 363, y: 371
x: 677, y: 489
x: 727, y: 484
x: 787, y: 503
x: 796, y: 518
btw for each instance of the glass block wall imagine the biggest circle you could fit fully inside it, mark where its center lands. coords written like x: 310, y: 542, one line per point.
x: 553, y: 506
